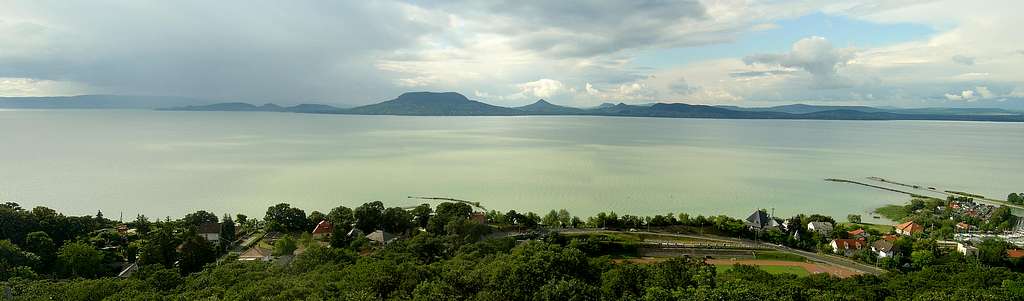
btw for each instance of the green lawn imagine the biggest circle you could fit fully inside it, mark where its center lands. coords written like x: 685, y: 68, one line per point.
x: 775, y: 255
x: 877, y: 227
x: 893, y: 212
x: 772, y: 269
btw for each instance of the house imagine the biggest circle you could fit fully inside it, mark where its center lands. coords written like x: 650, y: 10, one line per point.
x: 1015, y: 253
x: 847, y: 247
x: 882, y: 247
x: 381, y: 237
x: 210, y: 231
x: 478, y: 217
x: 323, y: 230
x: 256, y: 254
x: 760, y: 221
x: 909, y: 228
x: 962, y: 226
x: 122, y: 229
x: 858, y: 234
x: 823, y: 228
x: 128, y: 271
x: 966, y: 249
x: 890, y: 237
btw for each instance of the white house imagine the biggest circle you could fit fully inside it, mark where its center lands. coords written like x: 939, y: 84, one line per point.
x: 882, y: 247
x: 847, y: 247
x: 823, y: 228
x: 210, y: 231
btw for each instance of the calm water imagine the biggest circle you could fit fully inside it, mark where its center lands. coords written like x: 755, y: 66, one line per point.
x: 170, y: 163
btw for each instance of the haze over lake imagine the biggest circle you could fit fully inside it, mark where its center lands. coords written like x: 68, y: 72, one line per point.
x: 170, y: 163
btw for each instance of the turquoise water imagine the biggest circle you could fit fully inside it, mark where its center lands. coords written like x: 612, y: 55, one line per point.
x: 170, y: 163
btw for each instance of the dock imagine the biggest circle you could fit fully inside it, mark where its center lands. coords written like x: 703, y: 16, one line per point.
x: 919, y: 187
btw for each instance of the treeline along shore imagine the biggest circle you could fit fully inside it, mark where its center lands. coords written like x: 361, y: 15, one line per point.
x: 455, y: 250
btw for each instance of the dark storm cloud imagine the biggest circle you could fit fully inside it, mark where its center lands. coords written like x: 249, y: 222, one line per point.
x: 588, y: 28
x: 258, y: 50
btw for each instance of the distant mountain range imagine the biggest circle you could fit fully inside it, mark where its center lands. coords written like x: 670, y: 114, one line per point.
x: 97, y: 102
x: 455, y: 104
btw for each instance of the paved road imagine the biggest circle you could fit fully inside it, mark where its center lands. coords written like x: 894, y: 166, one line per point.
x: 822, y: 258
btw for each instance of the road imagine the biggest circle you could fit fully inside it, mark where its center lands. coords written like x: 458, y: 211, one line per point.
x: 821, y: 258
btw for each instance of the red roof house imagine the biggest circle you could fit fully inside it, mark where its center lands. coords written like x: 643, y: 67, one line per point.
x: 859, y: 234
x: 909, y: 228
x: 323, y: 229
x: 1015, y: 253
x: 847, y: 246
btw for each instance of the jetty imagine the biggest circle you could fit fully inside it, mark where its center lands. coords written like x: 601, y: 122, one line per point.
x: 929, y: 189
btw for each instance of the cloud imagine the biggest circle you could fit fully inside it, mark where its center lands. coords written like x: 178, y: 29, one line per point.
x: 244, y: 50
x: 964, y: 60
x: 759, y: 73
x: 542, y: 88
x: 34, y: 87
x: 629, y: 92
x: 814, y: 55
x: 681, y: 87
x: 585, y: 28
x: 967, y: 95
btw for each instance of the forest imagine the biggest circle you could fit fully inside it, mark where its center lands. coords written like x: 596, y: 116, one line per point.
x: 442, y: 255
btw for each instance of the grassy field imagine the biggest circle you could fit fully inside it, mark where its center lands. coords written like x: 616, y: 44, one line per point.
x: 893, y: 212
x: 775, y: 255
x: 770, y: 269
x: 866, y: 226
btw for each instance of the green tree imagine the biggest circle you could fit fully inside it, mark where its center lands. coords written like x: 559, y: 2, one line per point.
x: 396, y: 220
x: 39, y: 243
x: 854, y: 218
x: 679, y: 272
x: 284, y: 218
x: 569, y: 290
x: 551, y: 219
x: 342, y: 216
x: 369, y: 216
x: 1015, y: 198
x: 992, y: 252
x: 160, y: 247
x: 80, y: 259
x: 435, y: 291
x: 227, y: 233
x: 624, y: 282
x: 199, y: 217
x: 16, y: 262
x: 141, y: 224
x: 285, y: 246
x: 315, y: 217
x: 339, y: 237
x: 922, y: 258
x: 564, y: 217
x: 421, y: 215
x: 195, y: 252
x: 446, y: 213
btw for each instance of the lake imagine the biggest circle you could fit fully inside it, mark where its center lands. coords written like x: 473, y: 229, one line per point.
x: 170, y: 163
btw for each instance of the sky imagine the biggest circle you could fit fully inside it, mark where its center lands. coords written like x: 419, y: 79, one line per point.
x: 579, y: 53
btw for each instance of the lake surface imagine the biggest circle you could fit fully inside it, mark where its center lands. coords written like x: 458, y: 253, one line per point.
x: 170, y: 163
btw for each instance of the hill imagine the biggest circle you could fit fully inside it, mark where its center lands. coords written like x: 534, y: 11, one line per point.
x: 544, y: 107
x: 270, y: 107
x: 97, y: 102
x: 433, y: 104
x: 455, y: 104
